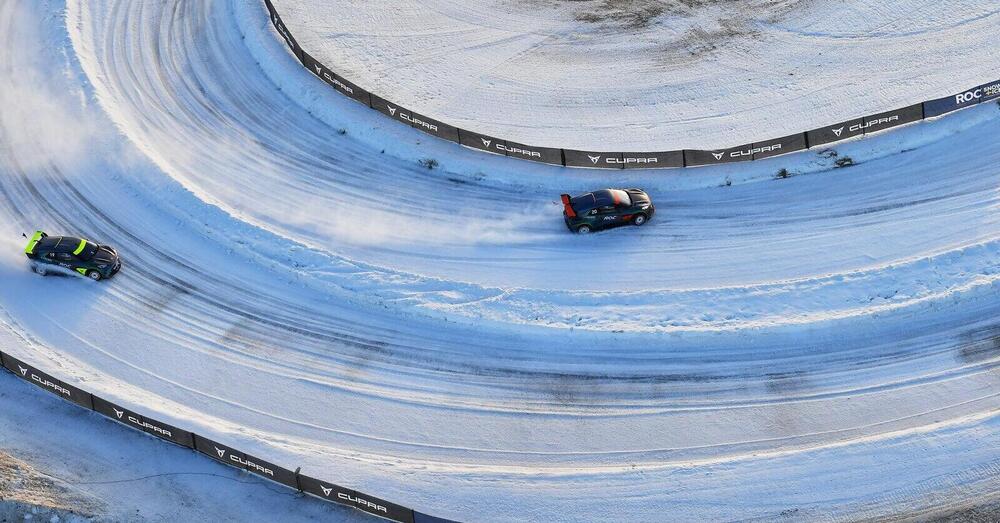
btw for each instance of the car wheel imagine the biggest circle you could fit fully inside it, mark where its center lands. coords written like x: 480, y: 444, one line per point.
x: 94, y: 275
x: 583, y: 229
x: 38, y: 269
x: 639, y: 219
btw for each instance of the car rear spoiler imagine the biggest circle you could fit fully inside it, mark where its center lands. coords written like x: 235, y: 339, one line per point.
x: 30, y: 249
x: 569, y: 208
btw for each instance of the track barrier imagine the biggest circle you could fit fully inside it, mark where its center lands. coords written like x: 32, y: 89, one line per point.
x: 325, y: 490
x: 815, y: 138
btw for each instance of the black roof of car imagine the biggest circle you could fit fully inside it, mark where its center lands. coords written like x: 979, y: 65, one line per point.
x: 58, y: 244
x: 591, y: 200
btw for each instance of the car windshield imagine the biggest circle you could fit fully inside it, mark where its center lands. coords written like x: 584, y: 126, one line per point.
x: 621, y: 198
x: 88, y: 252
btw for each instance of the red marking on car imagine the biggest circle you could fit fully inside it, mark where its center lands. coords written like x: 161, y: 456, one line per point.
x: 569, y: 208
x: 627, y: 217
x: 614, y: 196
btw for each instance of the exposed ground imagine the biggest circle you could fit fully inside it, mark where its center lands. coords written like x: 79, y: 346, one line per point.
x: 28, y: 494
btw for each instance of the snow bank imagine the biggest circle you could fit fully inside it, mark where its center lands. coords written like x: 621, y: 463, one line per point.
x: 642, y: 75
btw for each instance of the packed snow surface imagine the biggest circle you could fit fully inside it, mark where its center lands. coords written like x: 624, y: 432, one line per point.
x: 650, y: 75
x: 297, y: 285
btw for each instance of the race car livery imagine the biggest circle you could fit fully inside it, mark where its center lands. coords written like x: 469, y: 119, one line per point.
x: 606, y: 208
x: 68, y: 253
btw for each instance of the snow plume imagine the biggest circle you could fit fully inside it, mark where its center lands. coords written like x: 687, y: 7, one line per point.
x: 366, y: 226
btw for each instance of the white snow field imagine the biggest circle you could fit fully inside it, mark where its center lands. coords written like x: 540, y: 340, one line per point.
x: 650, y: 75
x: 297, y: 285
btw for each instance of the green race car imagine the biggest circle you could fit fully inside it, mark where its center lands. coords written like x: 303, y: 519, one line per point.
x: 606, y: 208
x: 66, y: 253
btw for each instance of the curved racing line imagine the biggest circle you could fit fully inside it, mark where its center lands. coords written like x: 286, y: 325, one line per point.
x: 480, y: 363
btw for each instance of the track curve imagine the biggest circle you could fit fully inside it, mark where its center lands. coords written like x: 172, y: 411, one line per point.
x: 371, y: 357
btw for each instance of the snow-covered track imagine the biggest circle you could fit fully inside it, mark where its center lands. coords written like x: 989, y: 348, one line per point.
x: 444, y: 346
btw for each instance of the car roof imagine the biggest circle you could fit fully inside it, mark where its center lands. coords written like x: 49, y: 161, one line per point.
x: 58, y: 244
x: 586, y: 202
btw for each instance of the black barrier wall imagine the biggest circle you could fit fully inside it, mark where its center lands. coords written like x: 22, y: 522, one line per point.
x: 630, y: 160
x: 215, y: 450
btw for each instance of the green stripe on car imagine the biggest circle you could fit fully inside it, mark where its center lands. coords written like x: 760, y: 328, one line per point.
x: 79, y: 248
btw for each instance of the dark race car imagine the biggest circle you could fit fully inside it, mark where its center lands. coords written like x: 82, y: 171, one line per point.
x: 66, y: 253
x: 606, y: 208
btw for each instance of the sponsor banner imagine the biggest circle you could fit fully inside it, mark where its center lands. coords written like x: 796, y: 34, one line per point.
x: 352, y: 90
x: 528, y: 152
x: 352, y: 498
x: 987, y: 92
x: 784, y: 145
x: 390, y: 109
x: 219, y: 452
x: 267, y: 470
x: 424, y: 518
x: 417, y: 121
x: 962, y: 100
x: 47, y: 382
x: 481, y: 142
x: 321, y: 71
x: 148, y: 425
x: 434, y: 127
x: 660, y: 160
x: 835, y: 133
x: 335, y: 80
x: 282, y: 29
x: 240, y: 460
x: 890, y: 119
x: 733, y: 154
x: 594, y: 160
x: 941, y: 106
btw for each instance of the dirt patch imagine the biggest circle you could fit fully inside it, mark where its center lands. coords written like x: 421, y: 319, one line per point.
x: 630, y: 14
x: 639, y: 14
x: 29, y: 495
